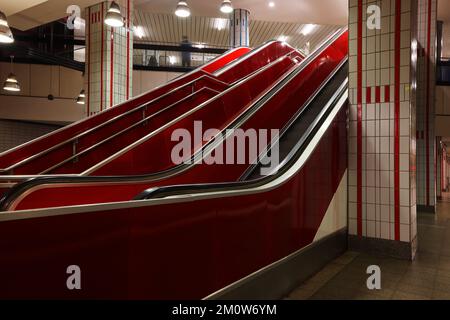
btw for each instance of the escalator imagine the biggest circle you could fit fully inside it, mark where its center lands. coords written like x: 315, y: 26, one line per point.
x: 191, y: 240
x: 92, y: 139
x: 273, y: 110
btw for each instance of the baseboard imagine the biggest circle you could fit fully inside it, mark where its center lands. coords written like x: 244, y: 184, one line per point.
x: 280, y: 278
x: 427, y: 209
x: 382, y: 247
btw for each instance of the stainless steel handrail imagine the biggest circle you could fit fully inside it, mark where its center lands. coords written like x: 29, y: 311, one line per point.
x: 122, y: 103
x: 116, y: 118
x: 126, y: 129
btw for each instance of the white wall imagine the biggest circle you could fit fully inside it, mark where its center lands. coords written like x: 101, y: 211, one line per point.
x: 38, y: 81
x: 146, y: 80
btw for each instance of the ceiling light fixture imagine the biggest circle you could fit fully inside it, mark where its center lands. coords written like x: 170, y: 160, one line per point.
x: 307, y: 29
x: 182, y: 10
x: 6, y: 35
x: 139, y: 32
x: 81, y: 97
x: 282, y: 38
x: 226, y: 6
x: 271, y: 4
x: 11, y: 83
x: 113, y: 16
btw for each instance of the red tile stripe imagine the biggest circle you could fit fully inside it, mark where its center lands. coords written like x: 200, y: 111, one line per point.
x: 359, y: 120
x: 427, y: 105
x: 398, y: 11
x: 370, y: 98
x: 368, y: 95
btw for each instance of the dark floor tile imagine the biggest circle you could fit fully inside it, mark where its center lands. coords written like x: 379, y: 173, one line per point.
x: 415, y: 290
x: 399, y: 295
x: 440, y: 295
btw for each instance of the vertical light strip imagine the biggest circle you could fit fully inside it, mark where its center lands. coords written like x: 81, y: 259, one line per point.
x: 359, y: 118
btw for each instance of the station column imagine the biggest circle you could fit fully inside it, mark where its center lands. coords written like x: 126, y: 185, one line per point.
x: 239, y: 28
x: 382, y: 134
x: 109, y: 57
x: 426, y: 88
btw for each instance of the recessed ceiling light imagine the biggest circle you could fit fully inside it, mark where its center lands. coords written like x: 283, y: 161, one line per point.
x: 282, y: 38
x: 271, y: 4
x: 139, y: 32
x: 307, y: 29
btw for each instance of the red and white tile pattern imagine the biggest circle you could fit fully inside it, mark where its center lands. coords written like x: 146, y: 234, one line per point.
x: 382, y: 192
x: 109, y: 54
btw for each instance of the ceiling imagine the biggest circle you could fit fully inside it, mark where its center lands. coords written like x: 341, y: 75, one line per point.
x: 333, y: 12
x: 26, y: 14
x: 10, y: 7
x: 167, y: 28
x: 444, y: 10
x: 286, y: 17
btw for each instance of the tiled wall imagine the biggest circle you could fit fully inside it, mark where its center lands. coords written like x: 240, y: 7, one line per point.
x: 382, y: 202
x: 426, y: 84
x: 14, y: 133
x: 109, y: 55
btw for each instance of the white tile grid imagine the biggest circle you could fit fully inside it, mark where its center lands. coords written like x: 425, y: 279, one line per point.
x: 378, y: 164
x: 119, y: 62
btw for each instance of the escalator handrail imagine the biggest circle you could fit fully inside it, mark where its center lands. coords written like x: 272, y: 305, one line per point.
x: 122, y: 103
x: 199, y: 107
x: 245, y: 79
x: 112, y: 120
x: 244, y: 187
x: 206, y: 75
x: 294, y: 118
x: 248, y: 55
x: 134, y: 125
x: 10, y: 196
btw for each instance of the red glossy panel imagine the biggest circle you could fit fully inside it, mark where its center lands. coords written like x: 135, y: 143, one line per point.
x: 225, y: 59
x: 93, y: 156
x: 217, y: 114
x: 290, y: 98
x: 174, y: 251
x: 264, y: 56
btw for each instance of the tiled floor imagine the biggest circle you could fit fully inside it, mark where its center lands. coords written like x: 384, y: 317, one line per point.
x: 428, y: 277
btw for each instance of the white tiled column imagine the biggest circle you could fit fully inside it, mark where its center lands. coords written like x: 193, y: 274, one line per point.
x: 109, y: 58
x: 239, y: 28
x: 382, y: 137
x: 426, y: 86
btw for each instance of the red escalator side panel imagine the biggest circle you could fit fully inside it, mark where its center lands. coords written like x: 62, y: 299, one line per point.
x: 25, y: 151
x: 224, y: 60
x: 218, y: 114
x: 296, y: 93
x: 174, y: 251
